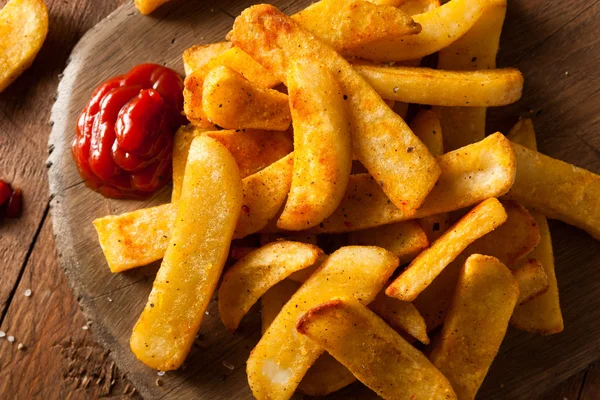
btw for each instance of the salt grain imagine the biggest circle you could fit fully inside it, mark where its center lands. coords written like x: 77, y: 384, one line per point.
x: 27, y: 292
x: 206, y: 312
x: 566, y: 73
x: 11, y: 339
x: 85, y: 327
x: 2, y: 334
x: 159, y: 382
x: 228, y: 365
x: 20, y: 346
x: 109, y: 299
x: 160, y: 373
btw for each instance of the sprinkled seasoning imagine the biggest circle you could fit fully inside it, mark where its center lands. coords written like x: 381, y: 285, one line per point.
x: 160, y: 373
x: 21, y: 346
x: 85, y: 327
x: 2, y: 334
x: 228, y: 365
x: 11, y: 339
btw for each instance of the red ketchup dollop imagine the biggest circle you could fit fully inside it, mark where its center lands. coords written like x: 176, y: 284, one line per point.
x: 124, y: 136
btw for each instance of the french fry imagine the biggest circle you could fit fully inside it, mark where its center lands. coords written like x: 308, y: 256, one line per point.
x: 252, y: 149
x: 248, y: 279
x: 509, y: 243
x: 513, y: 240
x: 476, y: 50
x: 402, y: 316
x: 490, y: 88
x: 140, y: 237
x: 557, y: 189
x: 23, y: 29
x: 136, y: 238
x: 542, y: 314
x: 273, y: 301
x: 326, y: 375
x: 485, y: 298
x: 195, y: 256
x: 404, y: 239
x: 426, y: 125
x: 344, y: 24
x: 532, y: 280
x: 469, y: 175
x: 416, y: 7
x: 200, y: 55
x: 147, y: 6
x: 481, y: 220
x: 373, y: 352
x: 281, y: 358
x: 322, y: 147
x: 523, y: 133
x: 233, y: 102
x: 438, y: 30
x: 264, y: 195
x: 233, y: 58
x: 384, y: 144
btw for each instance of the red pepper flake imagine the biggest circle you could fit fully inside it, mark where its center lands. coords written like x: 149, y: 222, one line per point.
x: 5, y: 192
x: 348, y: 224
x: 246, y: 209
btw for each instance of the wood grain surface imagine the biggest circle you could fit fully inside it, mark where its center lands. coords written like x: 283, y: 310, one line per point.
x: 61, y: 360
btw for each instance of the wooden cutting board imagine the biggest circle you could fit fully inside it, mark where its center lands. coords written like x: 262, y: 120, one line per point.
x: 556, y: 46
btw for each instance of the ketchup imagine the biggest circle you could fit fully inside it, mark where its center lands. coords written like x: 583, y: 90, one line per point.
x: 11, y: 201
x: 124, y: 136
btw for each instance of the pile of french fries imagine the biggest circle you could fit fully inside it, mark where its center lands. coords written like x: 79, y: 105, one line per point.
x: 298, y: 130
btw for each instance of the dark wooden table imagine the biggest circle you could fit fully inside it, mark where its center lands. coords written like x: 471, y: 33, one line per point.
x: 60, y: 359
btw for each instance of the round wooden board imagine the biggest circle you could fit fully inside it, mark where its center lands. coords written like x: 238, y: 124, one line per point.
x: 555, y: 45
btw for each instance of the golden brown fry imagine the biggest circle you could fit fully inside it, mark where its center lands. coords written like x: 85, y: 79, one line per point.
x: 233, y: 58
x: 200, y: 55
x: 400, y: 315
x: 509, y: 243
x: 485, y: 298
x: 481, y: 220
x: 147, y: 6
x: 252, y: 149
x: 439, y: 29
x: 373, y: 352
x: 542, y: 314
x: 181, y: 146
x: 281, y: 357
x: 140, y: 237
x: 322, y: 147
x: 135, y: 238
x: 273, y: 301
x: 233, y: 102
x: 532, y: 280
x: 344, y: 24
x: 416, y: 7
x: 264, y: 195
x: 381, y: 140
x: 490, y: 88
x: 326, y: 375
x: 23, y: 29
x: 197, y: 251
x: 469, y: 175
x: 557, y: 189
x: 476, y: 50
x: 426, y: 126
x: 523, y: 133
x: 404, y: 239
x: 248, y: 279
